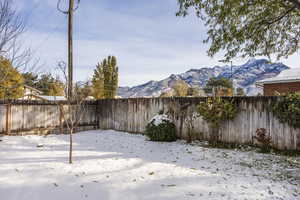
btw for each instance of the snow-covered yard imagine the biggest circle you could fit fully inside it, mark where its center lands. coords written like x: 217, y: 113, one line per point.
x: 113, y: 165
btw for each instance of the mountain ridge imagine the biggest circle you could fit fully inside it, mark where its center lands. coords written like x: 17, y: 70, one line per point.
x: 243, y: 76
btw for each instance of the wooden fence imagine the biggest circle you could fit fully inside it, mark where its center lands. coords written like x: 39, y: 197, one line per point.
x: 132, y: 115
x: 34, y: 117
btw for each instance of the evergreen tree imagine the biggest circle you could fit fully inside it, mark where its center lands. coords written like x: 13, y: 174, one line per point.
x: 105, y: 79
x: 114, y: 76
x: 30, y: 79
x: 240, y: 92
x: 98, y: 81
x: 11, y: 81
x: 83, y: 90
x: 50, y: 86
x: 56, y: 88
x: 195, y: 92
x: 219, y: 82
x: 219, y: 86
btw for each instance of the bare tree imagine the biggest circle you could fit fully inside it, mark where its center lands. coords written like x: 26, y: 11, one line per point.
x: 12, y: 26
x: 73, y: 109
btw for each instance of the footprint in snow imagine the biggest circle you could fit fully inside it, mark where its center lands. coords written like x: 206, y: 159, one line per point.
x: 170, y: 185
x: 190, y: 194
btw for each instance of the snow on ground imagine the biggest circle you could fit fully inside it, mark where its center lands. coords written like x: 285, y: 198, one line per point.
x: 110, y: 165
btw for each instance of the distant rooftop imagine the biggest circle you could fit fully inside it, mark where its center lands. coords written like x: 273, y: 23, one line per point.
x: 53, y: 98
x: 290, y: 75
x: 34, y: 89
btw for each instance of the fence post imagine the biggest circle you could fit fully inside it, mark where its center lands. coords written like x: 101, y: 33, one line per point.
x: 60, y: 119
x: 8, y: 119
x: 97, y: 116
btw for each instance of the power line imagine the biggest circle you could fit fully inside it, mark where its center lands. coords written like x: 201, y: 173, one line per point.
x: 50, y: 33
x: 48, y: 36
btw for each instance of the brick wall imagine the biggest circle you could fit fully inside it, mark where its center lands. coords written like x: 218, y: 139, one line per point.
x: 270, y: 89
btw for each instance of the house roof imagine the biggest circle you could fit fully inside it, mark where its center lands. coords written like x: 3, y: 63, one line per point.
x: 286, y: 76
x: 44, y: 98
x: 52, y: 98
x: 31, y: 88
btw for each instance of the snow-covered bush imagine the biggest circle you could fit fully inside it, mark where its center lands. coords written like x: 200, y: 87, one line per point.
x: 161, y: 128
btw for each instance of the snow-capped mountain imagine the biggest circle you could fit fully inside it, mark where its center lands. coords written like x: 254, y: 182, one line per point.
x: 243, y: 76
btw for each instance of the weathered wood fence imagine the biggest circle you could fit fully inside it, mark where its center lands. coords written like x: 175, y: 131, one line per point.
x: 132, y: 115
x: 36, y: 117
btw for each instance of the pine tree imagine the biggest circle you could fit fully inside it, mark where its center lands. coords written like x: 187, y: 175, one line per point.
x: 240, y: 92
x: 219, y: 87
x: 98, y: 81
x: 83, y: 89
x: 56, y: 88
x: 50, y: 86
x: 114, y: 77
x: 30, y: 79
x: 11, y: 81
x: 105, y: 79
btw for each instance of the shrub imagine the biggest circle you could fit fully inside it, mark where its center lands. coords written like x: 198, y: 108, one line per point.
x: 263, y: 139
x: 287, y: 110
x: 215, y: 111
x: 161, y: 128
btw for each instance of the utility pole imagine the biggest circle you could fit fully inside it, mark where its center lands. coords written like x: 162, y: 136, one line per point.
x: 231, y: 71
x: 70, y: 49
x: 70, y: 13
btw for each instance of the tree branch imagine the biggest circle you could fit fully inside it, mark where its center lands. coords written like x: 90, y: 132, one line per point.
x: 295, y: 2
x: 282, y: 16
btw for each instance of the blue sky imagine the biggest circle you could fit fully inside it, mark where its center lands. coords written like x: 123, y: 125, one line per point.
x: 149, y: 41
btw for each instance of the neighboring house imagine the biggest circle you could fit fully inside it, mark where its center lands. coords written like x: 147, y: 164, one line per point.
x: 30, y: 90
x: 31, y: 93
x: 287, y: 81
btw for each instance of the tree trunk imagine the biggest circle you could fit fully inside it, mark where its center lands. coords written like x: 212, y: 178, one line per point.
x: 190, y: 132
x: 214, y: 135
x: 71, y: 146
